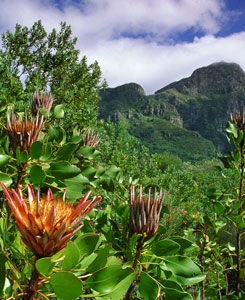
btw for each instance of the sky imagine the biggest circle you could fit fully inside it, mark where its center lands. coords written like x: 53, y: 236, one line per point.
x: 149, y: 42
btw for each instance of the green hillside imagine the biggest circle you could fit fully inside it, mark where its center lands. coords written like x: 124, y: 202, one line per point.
x: 187, y: 117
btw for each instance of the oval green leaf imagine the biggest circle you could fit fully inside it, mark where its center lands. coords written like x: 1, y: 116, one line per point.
x: 66, y: 285
x: 106, y: 279
x: 36, y: 150
x: 72, y: 256
x: 5, y: 179
x: 37, y: 174
x: 184, y: 269
x: 63, y: 170
x: 148, y: 287
x: 4, y: 159
x: 45, y: 265
x: 165, y: 248
x: 59, y: 111
x: 87, y: 243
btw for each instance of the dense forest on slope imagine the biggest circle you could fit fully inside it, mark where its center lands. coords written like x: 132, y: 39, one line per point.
x: 87, y: 211
x: 187, y: 117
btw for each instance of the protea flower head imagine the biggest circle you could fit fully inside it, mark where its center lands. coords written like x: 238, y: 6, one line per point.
x: 144, y: 212
x: 90, y: 139
x: 47, y: 223
x: 239, y: 119
x: 22, y: 133
x: 41, y: 101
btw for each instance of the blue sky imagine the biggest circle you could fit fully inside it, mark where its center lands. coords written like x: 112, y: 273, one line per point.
x: 151, y: 42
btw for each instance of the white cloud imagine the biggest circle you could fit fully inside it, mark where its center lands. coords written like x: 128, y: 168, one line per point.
x: 153, y: 66
x: 101, y: 27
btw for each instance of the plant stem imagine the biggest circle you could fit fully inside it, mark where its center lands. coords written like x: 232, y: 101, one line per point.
x: 238, y: 235
x: 136, y: 261
x: 21, y: 173
x: 202, y: 262
x: 30, y: 291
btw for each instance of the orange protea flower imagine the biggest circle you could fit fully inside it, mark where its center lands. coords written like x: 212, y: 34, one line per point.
x: 41, y: 101
x: 144, y: 213
x: 22, y: 133
x: 47, y: 223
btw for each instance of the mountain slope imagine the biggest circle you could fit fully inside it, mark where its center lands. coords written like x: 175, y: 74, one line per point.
x: 187, y: 117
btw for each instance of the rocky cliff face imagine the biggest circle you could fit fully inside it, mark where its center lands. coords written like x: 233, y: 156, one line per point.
x: 197, y: 107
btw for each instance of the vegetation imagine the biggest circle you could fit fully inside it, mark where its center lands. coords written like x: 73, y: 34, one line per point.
x: 104, y: 217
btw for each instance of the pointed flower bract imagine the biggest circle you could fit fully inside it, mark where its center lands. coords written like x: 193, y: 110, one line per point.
x: 47, y: 223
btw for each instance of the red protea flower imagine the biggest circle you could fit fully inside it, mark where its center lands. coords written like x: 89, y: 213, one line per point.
x: 47, y: 223
x: 41, y: 101
x: 144, y: 212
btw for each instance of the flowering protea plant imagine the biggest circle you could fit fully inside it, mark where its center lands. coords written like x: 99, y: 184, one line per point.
x: 239, y: 119
x: 22, y: 133
x: 47, y: 223
x: 90, y: 139
x: 144, y: 212
x: 41, y: 101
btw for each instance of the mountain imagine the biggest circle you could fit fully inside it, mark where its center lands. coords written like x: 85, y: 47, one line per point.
x: 186, y: 117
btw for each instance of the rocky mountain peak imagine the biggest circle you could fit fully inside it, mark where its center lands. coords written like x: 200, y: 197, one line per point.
x: 217, y: 78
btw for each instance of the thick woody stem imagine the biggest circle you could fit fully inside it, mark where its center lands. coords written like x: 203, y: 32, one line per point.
x: 30, y: 291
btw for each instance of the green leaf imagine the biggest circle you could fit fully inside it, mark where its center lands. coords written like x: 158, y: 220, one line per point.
x: 59, y: 111
x: 87, y: 261
x: 47, y: 152
x: 184, y: 243
x: 18, y: 155
x: 112, y: 172
x: 121, y: 288
x: 66, y: 285
x: 66, y: 151
x: 172, y: 294
x: 37, y: 174
x: 232, y: 129
x: 87, y: 243
x: 63, y: 170
x: 219, y: 208
x: 36, y: 149
x: 112, y: 281
x: 75, y: 185
x: 171, y: 284
x: 4, y: 159
x: 24, y: 156
x: 240, y: 222
x: 89, y: 172
x: 184, y: 269
x: 100, y: 260
x: 3, y: 260
x: 72, y: 256
x: 45, y: 265
x: 165, y: 247
x: 148, y: 287
x: 5, y: 179
x: 57, y: 133
x: 88, y: 152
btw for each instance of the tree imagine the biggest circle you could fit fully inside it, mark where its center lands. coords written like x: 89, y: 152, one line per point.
x: 33, y: 59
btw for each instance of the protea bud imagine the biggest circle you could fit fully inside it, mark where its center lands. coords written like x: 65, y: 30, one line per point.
x: 144, y: 212
x: 47, y: 223
x: 239, y: 119
x: 90, y: 139
x: 41, y: 101
x: 22, y: 133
